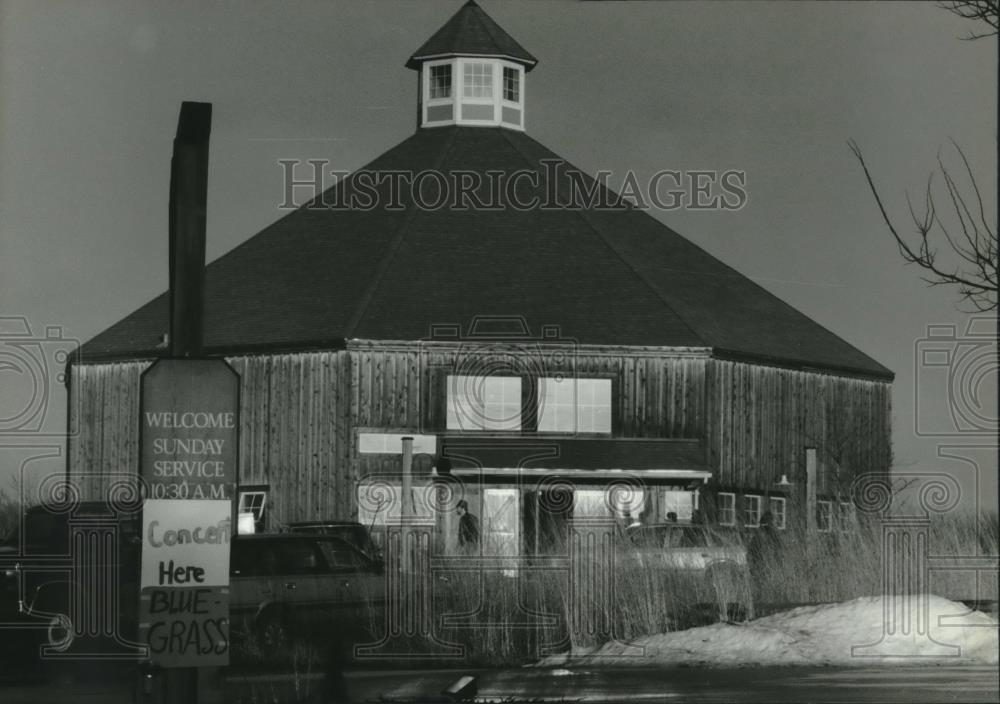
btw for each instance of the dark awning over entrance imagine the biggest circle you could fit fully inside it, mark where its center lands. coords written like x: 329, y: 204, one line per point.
x: 595, y: 458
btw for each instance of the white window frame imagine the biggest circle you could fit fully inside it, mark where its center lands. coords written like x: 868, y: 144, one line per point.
x: 778, y: 506
x: 851, y: 523
x: 456, y: 414
x: 727, y: 497
x: 246, y: 504
x: 755, y: 500
x: 489, y: 82
x: 550, y: 387
x: 830, y: 518
x: 431, y: 85
x: 516, y: 104
x: 426, y: 93
x: 458, y: 99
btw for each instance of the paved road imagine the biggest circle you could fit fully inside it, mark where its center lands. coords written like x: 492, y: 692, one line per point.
x: 929, y: 685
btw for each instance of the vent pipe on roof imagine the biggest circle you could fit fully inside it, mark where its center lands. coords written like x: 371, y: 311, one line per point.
x: 407, y: 505
x: 188, y: 208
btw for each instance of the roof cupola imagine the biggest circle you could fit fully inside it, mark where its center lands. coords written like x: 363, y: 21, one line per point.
x: 472, y: 73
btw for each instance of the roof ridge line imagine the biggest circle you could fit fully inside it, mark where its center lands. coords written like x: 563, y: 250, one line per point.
x: 397, y: 240
x: 607, y: 243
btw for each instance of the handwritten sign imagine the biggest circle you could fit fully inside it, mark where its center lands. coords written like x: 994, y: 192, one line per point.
x: 184, y: 604
x: 188, y: 453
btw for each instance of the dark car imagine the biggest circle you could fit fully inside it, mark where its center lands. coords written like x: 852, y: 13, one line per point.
x: 69, y: 575
x: 306, y: 587
x: 351, y: 531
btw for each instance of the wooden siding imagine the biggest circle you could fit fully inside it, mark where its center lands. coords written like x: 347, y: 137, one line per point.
x: 761, y: 419
x: 301, y: 414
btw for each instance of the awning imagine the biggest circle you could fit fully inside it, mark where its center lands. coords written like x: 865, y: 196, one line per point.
x: 581, y: 458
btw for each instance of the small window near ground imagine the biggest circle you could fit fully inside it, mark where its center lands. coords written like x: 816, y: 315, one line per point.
x: 751, y: 510
x: 824, y: 516
x: 777, y: 507
x: 253, y: 500
x: 848, y: 519
x: 727, y: 509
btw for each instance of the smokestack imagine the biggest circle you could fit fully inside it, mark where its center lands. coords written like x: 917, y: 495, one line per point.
x: 407, y: 506
x: 188, y: 208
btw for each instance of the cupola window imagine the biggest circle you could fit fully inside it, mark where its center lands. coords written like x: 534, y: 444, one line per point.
x: 478, y: 80
x: 440, y: 82
x: 511, y: 84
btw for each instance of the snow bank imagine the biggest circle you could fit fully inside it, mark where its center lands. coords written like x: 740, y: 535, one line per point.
x: 862, y: 632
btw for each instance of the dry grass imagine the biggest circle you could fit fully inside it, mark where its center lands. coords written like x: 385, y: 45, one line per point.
x: 506, y: 617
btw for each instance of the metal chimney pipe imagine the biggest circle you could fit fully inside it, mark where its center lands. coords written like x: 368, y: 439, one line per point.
x: 407, y: 505
x: 188, y: 209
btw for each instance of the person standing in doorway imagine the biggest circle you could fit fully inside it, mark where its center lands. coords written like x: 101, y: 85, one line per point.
x: 468, y: 528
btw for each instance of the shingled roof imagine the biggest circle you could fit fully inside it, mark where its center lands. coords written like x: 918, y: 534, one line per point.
x: 605, y: 276
x: 471, y: 32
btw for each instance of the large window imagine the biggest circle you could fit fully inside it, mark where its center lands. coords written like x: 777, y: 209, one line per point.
x: 440, y: 78
x: 478, y: 80
x: 727, y: 508
x: 574, y: 405
x: 484, y: 403
x: 511, y: 84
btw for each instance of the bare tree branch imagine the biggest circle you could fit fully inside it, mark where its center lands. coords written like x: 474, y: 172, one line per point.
x: 973, y: 265
x: 977, y: 10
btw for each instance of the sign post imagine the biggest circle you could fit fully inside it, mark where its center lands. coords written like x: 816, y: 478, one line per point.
x: 189, y: 445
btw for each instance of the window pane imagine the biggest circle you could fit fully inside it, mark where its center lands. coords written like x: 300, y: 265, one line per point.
x: 778, y: 511
x: 511, y: 85
x: 574, y: 405
x: 727, y: 509
x: 824, y: 515
x: 500, y: 522
x: 440, y: 81
x: 478, y: 81
x: 590, y: 503
x: 680, y: 503
x: 484, y: 403
x: 298, y: 558
x: 594, y: 407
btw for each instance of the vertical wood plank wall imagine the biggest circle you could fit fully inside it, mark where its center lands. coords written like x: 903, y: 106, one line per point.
x: 761, y: 419
x: 300, y: 414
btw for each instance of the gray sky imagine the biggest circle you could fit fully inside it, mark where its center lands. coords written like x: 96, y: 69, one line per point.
x: 90, y: 91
